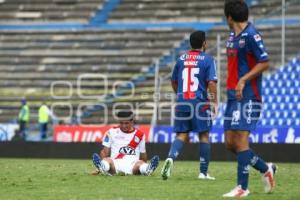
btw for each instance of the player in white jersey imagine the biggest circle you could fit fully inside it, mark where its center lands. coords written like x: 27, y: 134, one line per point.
x: 124, y: 150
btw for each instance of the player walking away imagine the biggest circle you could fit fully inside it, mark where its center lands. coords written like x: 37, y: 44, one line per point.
x: 247, y: 59
x: 193, y: 74
x: 124, y: 150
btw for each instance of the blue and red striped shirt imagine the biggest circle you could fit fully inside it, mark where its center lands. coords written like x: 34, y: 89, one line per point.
x: 244, y: 51
x: 191, y: 73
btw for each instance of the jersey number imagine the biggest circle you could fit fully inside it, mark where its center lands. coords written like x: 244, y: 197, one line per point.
x: 190, y: 81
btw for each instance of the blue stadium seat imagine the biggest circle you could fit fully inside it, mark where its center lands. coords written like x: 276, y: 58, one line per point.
x: 266, y: 91
x: 263, y: 122
x: 295, y: 99
x: 282, y: 96
x: 271, y: 83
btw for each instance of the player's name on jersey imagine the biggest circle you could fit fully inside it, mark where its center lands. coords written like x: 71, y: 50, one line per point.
x: 190, y: 63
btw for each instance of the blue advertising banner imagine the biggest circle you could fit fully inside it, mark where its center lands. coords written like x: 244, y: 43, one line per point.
x: 165, y: 134
x: 7, y: 131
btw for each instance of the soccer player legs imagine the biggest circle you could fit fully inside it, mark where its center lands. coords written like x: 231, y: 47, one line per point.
x: 204, y: 153
x: 176, y: 147
x: 109, y: 167
x: 247, y: 59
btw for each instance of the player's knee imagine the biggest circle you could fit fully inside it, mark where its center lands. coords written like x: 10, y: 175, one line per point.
x: 139, y: 163
x: 230, y: 146
x: 136, y: 167
x: 182, y: 136
x: 204, y: 137
x: 109, y: 160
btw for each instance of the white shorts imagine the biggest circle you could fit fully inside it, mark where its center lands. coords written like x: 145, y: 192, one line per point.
x: 124, y: 166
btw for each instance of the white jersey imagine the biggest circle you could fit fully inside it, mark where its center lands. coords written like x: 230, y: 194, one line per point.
x: 128, y: 144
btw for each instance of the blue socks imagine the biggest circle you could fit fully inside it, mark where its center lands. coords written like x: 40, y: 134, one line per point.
x: 245, y: 159
x: 175, y: 149
x: 204, y: 152
x: 257, y: 163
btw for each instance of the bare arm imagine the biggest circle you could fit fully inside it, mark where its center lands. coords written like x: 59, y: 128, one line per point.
x: 174, y: 86
x: 143, y: 157
x: 212, y: 95
x: 105, y: 152
x: 256, y: 71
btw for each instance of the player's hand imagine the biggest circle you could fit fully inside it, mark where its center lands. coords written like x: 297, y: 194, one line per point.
x: 239, y: 89
x: 96, y: 172
x: 215, y: 111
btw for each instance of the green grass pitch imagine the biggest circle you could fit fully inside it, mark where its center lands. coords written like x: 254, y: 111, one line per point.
x: 68, y: 179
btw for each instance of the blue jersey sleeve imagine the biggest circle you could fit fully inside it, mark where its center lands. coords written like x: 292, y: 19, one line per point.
x: 257, y: 47
x: 174, y: 77
x: 211, y: 72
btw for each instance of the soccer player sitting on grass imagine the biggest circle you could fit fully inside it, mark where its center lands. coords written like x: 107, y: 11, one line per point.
x: 124, y: 150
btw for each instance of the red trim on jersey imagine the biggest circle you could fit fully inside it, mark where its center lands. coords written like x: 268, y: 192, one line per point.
x: 232, y: 69
x: 251, y: 63
x: 191, y: 58
x: 133, y: 143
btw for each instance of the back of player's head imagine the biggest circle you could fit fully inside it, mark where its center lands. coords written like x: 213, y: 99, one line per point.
x: 237, y: 10
x: 23, y: 101
x: 197, y: 39
x: 125, y: 115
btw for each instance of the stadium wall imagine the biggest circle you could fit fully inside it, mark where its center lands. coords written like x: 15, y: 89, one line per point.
x: 270, y: 152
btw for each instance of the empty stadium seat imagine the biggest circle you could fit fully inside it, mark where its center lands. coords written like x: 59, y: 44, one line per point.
x: 48, y: 11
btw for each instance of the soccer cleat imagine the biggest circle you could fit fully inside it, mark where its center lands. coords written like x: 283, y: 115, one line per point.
x: 268, y: 178
x: 98, y: 164
x: 237, y: 192
x: 206, y: 177
x: 153, y: 164
x: 167, y: 168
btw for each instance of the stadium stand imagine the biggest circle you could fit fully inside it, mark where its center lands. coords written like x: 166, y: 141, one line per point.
x: 40, y: 11
x: 271, y: 8
x: 281, y: 97
x: 157, y: 11
x: 32, y: 60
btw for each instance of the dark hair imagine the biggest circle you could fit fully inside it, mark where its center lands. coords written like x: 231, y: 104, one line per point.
x: 237, y: 9
x: 125, y: 115
x: 197, y: 39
